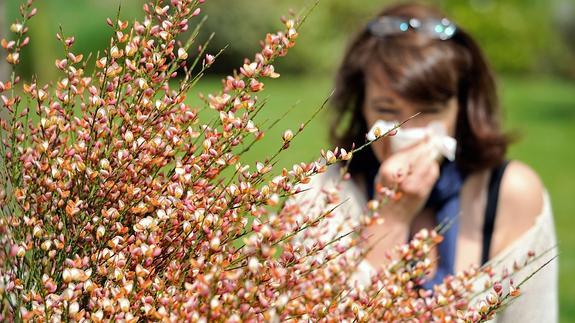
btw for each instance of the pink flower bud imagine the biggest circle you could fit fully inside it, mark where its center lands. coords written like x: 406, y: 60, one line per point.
x: 253, y: 265
x: 330, y: 157
x: 33, y: 13
x: 16, y: 28
x: 215, y: 243
x: 248, y: 70
x: 209, y: 59
x: 25, y: 42
x: 13, y: 58
x: 498, y: 288
x: 256, y: 86
x: 287, y: 136
x: 182, y: 54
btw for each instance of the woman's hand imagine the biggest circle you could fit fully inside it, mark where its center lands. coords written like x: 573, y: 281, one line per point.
x: 413, y: 172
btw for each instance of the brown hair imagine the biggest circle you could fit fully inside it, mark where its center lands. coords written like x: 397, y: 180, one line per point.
x: 422, y: 69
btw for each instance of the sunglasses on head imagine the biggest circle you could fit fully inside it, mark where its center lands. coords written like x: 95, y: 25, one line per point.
x: 435, y: 28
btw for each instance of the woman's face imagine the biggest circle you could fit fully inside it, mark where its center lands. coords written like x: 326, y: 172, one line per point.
x: 382, y: 103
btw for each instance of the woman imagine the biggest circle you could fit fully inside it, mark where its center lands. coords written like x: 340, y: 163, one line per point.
x: 410, y: 59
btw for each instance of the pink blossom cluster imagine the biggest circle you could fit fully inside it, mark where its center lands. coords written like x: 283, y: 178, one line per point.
x: 118, y: 202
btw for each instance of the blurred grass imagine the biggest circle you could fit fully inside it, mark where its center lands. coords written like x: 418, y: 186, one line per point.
x: 540, y: 110
x: 85, y: 20
x: 544, y: 111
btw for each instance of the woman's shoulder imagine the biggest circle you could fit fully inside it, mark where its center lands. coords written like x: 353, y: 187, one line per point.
x: 524, y: 225
x: 521, y: 202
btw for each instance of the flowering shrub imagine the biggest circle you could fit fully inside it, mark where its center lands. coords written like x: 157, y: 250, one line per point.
x: 119, y: 203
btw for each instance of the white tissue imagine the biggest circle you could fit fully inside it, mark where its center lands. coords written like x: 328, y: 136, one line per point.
x: 443, y: 144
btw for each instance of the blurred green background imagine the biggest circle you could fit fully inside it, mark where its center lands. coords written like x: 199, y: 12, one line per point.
x: 530, y: 43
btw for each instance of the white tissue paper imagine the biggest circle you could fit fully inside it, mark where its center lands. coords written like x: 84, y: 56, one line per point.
x: 443, y: 144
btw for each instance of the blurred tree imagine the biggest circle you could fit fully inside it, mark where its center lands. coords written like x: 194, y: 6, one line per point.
x: 517, y: 35
x: 238, y: 25
x: 564, y: 24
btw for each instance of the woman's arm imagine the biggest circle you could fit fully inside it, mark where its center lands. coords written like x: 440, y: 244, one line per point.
x: 520, y: 202
x: 524, y: 224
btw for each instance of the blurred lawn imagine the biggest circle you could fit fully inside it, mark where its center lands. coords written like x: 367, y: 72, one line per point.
x: 544, y: 111
x: 540, y: 110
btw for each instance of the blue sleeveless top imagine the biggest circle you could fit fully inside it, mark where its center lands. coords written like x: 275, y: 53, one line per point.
x: 444, y: 200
